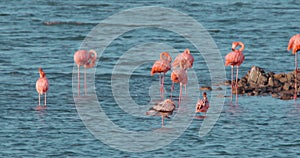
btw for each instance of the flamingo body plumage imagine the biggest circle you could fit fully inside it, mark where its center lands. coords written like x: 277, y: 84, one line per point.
x: 42, y: 85
x: 186, y: 55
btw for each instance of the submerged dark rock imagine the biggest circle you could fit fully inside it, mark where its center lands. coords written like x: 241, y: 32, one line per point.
x: 258, y: 82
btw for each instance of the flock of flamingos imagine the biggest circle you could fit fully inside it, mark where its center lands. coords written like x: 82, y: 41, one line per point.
x: 179, y: 67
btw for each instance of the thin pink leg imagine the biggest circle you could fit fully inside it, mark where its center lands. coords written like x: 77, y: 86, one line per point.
x: 45, y: 99
x: 39, y: 99
x: 296, y: 71
x: 185, y: 89
x: 236, y: 84
x: 85, y: 81
x: 180, y: 92
x: 78, y: 80
x: 159, y: 83
x: 231, y: 83
x: 162, y: 87
x: 162, y: 82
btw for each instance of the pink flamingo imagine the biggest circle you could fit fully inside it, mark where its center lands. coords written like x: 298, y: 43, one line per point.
x: 42, y: 86
x: 235, y: 58
x: 179, y: 75
x: 164, y: 108
x: 186, y: 55
x: 162, y: 66
x: 294, y: 44
x: 87, y: 59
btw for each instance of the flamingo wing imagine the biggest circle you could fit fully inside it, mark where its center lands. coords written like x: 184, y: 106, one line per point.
x: 42, y: 85
x: 160, y: 66
x: 292, y: 41
x: 234, y: 58
x: 164, y: 107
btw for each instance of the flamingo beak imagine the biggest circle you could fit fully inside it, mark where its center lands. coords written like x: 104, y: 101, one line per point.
x: 232, y: 49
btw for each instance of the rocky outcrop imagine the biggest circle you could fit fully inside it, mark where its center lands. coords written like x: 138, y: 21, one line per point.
x: 258, y: 82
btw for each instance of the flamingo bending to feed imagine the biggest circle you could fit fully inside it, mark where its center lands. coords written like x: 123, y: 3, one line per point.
x: 87, y: 59
x: 202, y: 104
x: 162, y: 66
x: 42, y: 86
x: 179, y: 75
x: 235, y: 58
x: 186, y: 55
x: 294, y: 44
x: 163, y: 109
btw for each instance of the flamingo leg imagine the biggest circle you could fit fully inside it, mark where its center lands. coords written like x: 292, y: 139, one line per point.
x: 85, y: 81
x: 162, y: 82
x: 159, y: 83
x: 231, y: 82
x: 296, y: 71
x: 45, y: 99
x: 236, y: 83
x: 39, y: 99
x: 78, y: 80
x: 180, y: 92
x: 162, y: 86
x: 185, y: 89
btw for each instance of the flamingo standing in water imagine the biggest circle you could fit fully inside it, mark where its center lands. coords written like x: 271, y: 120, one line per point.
x: 163, y: 109
x: 179, y: 75
x: 162, y: 66
x: 294, y: 44
x: 42, y: 86
x: 235, y: 58
x: 87, y: 59
x: 186, y: 55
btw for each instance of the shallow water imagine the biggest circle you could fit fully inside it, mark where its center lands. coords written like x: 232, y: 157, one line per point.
x: 47, y: 33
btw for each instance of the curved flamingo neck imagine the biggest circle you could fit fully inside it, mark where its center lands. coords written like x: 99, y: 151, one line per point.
x: 92, y: 55
x: 187, y: 51
x: 242, y: 46
x: 42, y: 73
x: 165, y: 56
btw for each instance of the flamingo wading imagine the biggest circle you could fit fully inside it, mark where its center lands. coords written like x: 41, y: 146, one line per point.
x: 162, y: 66
x: 179, y: 75
x: 294, y: 45
x: 235, y: 58
x: 163, y: 109
x: 87, y: 59
x: 42, y: 86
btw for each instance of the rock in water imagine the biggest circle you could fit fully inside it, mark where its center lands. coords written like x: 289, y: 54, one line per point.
x: 257, y: 82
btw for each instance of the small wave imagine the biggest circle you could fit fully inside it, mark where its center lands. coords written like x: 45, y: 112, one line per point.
x: 50, y: 23
x: 239, y: 4
x: 4, y: 14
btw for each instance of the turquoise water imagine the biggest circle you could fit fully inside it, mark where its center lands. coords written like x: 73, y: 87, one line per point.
x: 47, y: 33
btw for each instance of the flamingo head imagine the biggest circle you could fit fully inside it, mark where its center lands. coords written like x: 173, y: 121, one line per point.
x: 236, y: 44
x: 165, y: 56
x: 187, y: 51
x: 42, y: 73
